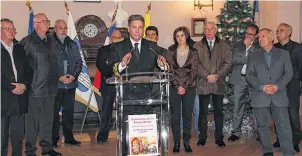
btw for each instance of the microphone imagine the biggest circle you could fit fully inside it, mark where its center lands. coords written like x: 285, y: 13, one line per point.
x: 154, y: 51
x: 158, y: 56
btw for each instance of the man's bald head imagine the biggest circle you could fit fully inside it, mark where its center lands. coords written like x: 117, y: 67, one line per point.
x: 115, y: 35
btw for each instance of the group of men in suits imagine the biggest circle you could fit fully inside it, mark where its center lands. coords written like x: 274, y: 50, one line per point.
x: 39, y: 76
x: 261, y: 70
x: 271, y: 75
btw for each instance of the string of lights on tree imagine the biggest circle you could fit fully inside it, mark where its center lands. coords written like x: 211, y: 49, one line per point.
x: 233, y: 20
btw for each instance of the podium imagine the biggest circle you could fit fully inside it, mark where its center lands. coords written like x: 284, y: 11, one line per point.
x: 140, y: 145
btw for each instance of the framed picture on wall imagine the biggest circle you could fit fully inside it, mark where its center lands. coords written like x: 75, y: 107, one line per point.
x: 197, y: 25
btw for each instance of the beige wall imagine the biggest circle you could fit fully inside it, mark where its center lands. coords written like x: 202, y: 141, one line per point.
x: 166, y: 15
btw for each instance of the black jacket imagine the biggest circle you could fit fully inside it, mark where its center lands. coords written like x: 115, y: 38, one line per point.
x: 74, y: 60
x: 43, y: 60
x: 102, y: 63
x: 147, y: 62
x: 295, y: 52
x: 12, y: 104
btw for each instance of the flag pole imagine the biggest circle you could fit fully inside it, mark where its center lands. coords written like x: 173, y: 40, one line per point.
x: 91, y: 93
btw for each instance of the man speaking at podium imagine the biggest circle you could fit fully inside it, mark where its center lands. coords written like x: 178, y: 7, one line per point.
x: 140, y: 55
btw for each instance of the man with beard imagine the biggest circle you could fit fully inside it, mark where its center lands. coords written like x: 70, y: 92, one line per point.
x: 70, y: 66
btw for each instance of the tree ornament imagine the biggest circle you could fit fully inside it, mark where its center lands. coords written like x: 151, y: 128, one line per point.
x: 241, y: 31
x: 227, y: 78
x: 219, y: 30
x: 235, y: 19
x: 244, y: 10
x: 226, y: 16
x: 225, y: 100
x: 236, y: 6
x: 248, y: 5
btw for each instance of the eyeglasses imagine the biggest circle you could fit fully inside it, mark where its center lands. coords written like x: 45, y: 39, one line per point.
x: 44, y: 21
x: 249, y: 34
x: 9, y: 29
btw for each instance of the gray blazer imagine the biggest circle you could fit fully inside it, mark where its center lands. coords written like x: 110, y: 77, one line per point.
x: 238, y: 60
x: 278, y: 73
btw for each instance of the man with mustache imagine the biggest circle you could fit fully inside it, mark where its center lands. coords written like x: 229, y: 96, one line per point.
x: 70, y: 66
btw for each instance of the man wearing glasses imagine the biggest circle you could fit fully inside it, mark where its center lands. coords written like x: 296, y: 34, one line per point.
x: 240, y: 52
x: 70, y: 66
x: 15, y: 79
x: 41, y: 51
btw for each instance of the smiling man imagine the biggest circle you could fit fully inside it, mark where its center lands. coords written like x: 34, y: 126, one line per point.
x: 269, y: 70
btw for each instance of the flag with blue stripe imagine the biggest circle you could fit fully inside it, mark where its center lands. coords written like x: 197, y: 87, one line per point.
x: 31, y: 23
x: 256, y: 12
x: 84, y: 92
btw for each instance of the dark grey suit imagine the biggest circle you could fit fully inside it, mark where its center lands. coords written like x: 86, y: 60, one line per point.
x: 241, y: 87
x: 278, y: 72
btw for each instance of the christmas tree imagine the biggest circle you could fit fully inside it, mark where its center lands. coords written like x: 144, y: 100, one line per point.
x: 233, y: 20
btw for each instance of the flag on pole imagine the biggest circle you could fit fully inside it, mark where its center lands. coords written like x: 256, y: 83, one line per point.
x: 31, y: 18
x: 147, y: 18
x: 84, y: 93
x: 97, y: 76
x: 256, y: 12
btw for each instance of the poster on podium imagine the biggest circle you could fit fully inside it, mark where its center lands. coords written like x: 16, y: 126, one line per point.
x: 143, y: 137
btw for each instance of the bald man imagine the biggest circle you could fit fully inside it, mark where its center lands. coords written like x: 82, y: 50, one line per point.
x: 108, y: 91
x: 41, y: 51
x: 284, y: 33
x: 269, y: 70
x: 70, y: 66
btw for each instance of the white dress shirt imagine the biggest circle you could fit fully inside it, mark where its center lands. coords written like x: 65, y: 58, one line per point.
x: 213, y: 42
x: 10, y: 48
x: 243, y: 69
x: 121, y: 68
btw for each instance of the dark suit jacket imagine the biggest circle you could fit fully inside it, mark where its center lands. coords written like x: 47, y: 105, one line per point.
x: 278, y: 73
x: 185, y: 76
x: 102, y: 63
x: 12, y: 104
x: 147, y: 62
x: 219, y: 62
x: 239, y: 59
x: 295, y: 52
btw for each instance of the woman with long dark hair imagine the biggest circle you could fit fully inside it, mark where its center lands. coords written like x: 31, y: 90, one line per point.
x: 183, y: 61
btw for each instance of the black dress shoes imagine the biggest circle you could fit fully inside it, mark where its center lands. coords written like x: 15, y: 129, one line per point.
x: 276, y: 144
x: 176, y: 147
x: 201, y: 142
x: 220, y: 143
x: 268, y: 154
x: 187, y: 148
x: 54, y: 145
x: 52, y: 153
x: 233, y: 138
x: 73, y: 142
x: 100, y: 141
x: 296, y: 148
